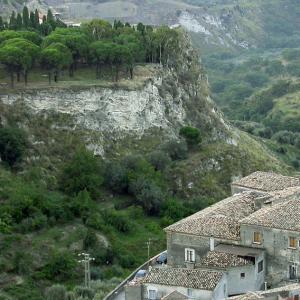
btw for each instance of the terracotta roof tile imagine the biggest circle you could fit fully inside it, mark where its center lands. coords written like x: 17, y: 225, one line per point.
x: 223, y: 260
x: 267, y: 181
x: 284, y: 215
x: 189, y: 278
x: 219, y: 220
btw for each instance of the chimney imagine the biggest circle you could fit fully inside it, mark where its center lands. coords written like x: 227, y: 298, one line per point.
x: 212, y: 244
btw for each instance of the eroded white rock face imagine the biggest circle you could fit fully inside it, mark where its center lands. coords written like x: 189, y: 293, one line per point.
x: 108, y: 110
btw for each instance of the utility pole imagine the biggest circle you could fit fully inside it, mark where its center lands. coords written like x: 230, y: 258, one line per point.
x: 148, y: 246
x: 87, y: 269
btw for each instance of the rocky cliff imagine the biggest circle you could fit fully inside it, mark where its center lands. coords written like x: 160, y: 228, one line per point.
x: 117, y: 119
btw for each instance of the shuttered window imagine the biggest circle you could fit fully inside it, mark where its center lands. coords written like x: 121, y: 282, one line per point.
x: 292, y: 242
x: 257, y: 239
x: 189, y: 255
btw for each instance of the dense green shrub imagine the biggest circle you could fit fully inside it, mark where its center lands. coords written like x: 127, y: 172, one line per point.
x: 159, y: 160
x: 147, y: 194
x: 116, y: 177
x: 95, y: 221
x: 284, y: 137
x: 61, y: 265
x: 256, y: 79
x: 36, y: 222
x: 84, y: 292
x: 103, y: 255
x: 291, y: 54
x: 117, y: 220
x: 82, y: 205
x: 173, y: 209
x: 127, y: 260
x: 56, y: 292
x: 296, y: 163
x: 177, y: 150
x: 191, y: 135
x: 297, y: 142
x: 82, y: 172
x: 90, y: 240
x: 13, y: 142
x: 21, y: 263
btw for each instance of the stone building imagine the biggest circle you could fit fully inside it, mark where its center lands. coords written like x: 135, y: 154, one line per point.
x: 245, y: 243
x: 276, y: 229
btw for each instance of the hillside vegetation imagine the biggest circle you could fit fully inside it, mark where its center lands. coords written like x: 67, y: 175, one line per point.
x: 146, y: 168
x: 261, y: 95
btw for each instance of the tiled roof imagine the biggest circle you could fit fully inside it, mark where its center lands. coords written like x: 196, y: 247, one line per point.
x: 267, y: 182
x: 219, y: 220
x: 189, y: 278
x: 223, y: 260
x: 286, y: 288
x: 175, y: 295
x: 248, y: 296
x: 264, y: 294
x: 285, y: 215
x: 286, y: 194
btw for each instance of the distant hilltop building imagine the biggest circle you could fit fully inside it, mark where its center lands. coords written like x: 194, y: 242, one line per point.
x: 244, y: 247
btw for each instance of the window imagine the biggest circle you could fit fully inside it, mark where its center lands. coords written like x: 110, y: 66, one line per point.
x: 257, y: 238
x: 243, y: 275
x: 292, y: 242
x: 152, y: 294
x: 189, y: 292
x: 260, y: 266
x: 189, y: 255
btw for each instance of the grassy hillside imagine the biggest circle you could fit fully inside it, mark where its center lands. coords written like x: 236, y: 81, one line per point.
x: 260, y: 94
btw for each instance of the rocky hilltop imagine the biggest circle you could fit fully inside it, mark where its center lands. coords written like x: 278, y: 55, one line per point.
x: 138, y: 116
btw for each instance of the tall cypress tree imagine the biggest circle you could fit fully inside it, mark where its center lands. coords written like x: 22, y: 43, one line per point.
x: 26, y: 20
x: 32, y: 20
x: 37, y: 18
x: 50, y: 17
x: 12, y: 21
x: 19, y: 22
x: 1, y: 24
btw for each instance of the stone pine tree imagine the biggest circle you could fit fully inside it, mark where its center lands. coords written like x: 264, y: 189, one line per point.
x: 18, y: 55
x: 11, y: 58
x: 54, y: 58
x: 26, y: 20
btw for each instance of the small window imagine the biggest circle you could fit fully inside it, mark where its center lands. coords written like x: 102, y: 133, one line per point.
x: 189, y: 292
x: 152, y: 294
x: 243, y: 275
x: 292, y: 242
x: 257, y: 238
x: 189, y: 255
x: 260, y: 266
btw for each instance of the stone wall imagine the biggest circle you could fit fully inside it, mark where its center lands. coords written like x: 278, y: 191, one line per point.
x: 177, y: 242
x: 279, y: 255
